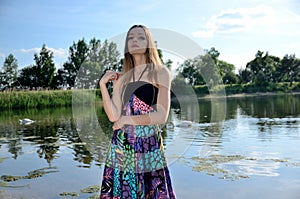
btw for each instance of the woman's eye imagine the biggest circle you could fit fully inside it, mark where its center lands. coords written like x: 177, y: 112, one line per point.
x: 130, y: 38
x: 142, y: 38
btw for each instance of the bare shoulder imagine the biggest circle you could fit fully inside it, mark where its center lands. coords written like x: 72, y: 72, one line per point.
x: 164, y: 76
x: 163, y: 73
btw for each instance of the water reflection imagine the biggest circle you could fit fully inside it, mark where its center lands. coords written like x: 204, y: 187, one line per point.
x: 264, y: 140
x: 275, y: 106
x: 53, y: 129
x: 259, y: 136
x: 57, y: 127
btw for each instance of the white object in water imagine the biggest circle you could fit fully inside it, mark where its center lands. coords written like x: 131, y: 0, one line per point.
x: 170, y: 125
x: 26, y: 121
x: 184, y: 124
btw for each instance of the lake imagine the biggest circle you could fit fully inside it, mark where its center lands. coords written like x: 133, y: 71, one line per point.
x: 253, y: 152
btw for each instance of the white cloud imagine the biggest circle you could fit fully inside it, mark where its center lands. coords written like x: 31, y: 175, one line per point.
x: 57, y: 52
x: 237, y: 20
x: 31, y: 50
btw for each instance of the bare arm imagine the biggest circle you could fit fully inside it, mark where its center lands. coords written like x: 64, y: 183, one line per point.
x: 162, y: 106
x: 112, y: 105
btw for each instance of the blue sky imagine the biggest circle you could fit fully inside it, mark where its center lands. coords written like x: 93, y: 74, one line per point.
x: 237, y: 29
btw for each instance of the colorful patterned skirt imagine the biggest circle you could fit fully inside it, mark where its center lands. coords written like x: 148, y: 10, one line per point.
x: 135, y: 167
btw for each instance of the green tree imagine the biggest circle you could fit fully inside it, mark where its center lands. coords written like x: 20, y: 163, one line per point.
x: 168, y: 64
x: 59, y: 80
x: 109, y: 56
x: 200, y: 70
x: 214, y: 54
x: 10, y: 70
x: 271, y: 64
x: 245, y: 75
x: 289, y: 69
x: 39, y: 75
x: 191, y: 72
x: 160, y: 54
x: 78, y: 53
x: 3, y: 83
x: 227, y: 72
x: 44, y: 68
x: 87, y: 61
x: 26, y: 77
x: 101, y: 57
x: 225, y: 69
x: 263, y: 68
x: 209, y: 69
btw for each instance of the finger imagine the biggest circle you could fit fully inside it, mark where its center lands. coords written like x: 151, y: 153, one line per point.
x: 114, y: 76
x: 114, y: 128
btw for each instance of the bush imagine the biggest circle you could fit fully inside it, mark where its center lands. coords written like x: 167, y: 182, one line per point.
x: 201, y: 90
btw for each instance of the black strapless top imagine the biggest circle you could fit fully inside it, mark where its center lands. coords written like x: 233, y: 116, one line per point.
x: 143, y: 90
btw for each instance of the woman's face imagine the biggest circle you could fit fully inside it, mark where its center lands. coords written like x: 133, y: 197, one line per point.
x: 137, y: 41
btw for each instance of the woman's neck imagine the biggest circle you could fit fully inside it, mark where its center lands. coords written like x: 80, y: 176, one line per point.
x: 139, y: 59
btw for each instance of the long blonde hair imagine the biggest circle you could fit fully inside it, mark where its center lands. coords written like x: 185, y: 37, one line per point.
x: 152, y: 57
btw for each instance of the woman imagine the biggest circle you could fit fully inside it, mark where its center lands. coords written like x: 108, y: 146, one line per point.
x: 135, y: 165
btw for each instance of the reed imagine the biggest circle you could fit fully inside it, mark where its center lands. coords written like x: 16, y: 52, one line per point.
x: 42, y: 99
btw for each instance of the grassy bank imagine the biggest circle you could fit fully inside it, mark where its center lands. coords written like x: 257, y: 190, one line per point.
x: 60, y: 98
x: 43, y: 99
x: 35, y: 99
x: 202, y: 90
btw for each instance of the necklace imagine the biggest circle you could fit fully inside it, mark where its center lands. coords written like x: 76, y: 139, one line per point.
x: 140, y: 74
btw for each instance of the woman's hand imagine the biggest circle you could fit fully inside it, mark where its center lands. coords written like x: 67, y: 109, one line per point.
x: 109, y: 76
x: 119, y: 123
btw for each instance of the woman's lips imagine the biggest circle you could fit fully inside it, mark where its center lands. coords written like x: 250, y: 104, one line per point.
x: 134, y: 46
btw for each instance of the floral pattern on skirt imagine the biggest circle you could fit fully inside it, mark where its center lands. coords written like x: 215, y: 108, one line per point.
x: 135, y: 167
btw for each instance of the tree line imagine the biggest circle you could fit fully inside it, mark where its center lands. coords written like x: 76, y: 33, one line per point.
x: 95, y: 56
x: 261, y: 71
x: 87, y: 59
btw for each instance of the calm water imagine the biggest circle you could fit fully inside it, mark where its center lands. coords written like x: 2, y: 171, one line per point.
x: 253, y: 153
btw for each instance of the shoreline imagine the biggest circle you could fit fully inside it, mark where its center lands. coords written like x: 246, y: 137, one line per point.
x: 50, y: 99
x: 240, y: 95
